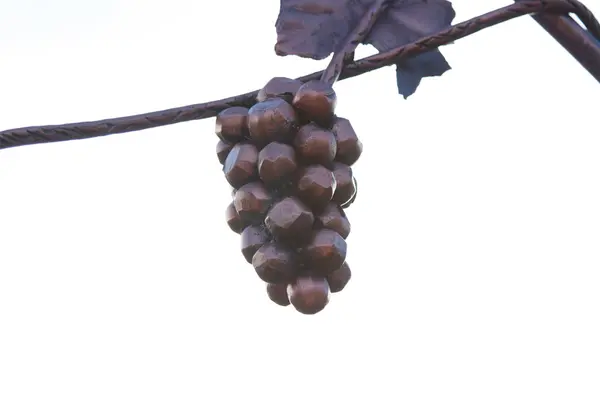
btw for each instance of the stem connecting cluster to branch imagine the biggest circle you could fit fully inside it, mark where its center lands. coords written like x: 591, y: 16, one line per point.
x: 339, y: 59
x: 84, y: 130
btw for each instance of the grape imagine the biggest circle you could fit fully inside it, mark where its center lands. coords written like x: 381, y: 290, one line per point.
x: 325, y: 252
x: 309, y: 295
x: 276, y: 163
x: 272, y: 120
x: 288, y: 159
x: 316, y: 101
x: 333, y: 218
x: 349, y: 203
x: 290, y: 220
x: 278, y: 294
x: 345, y: 189
x: 233, y: 219
x: 339, y: 278
x: 253, y: 237
x: 349, y: 147
x: 223, y: 150
x: 316, y: 186
x: 275, y: 263
x: 232, y: 124
x: 251, y: 202
x: 284, y: 88
x: 241, y: 165
x: 315, y: 145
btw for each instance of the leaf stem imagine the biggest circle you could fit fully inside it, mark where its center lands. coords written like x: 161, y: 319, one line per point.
x: 355, y: 38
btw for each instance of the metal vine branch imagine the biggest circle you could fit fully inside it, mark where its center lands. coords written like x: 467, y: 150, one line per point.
x: 583, y: 44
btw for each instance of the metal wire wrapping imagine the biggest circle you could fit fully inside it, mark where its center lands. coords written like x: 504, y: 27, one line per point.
x: 84, y: 130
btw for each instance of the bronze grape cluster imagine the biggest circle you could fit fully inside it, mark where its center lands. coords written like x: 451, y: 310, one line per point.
x: 288, y: 159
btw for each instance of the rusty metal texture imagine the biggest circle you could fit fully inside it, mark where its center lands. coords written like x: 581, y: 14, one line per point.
x: 83, y: 130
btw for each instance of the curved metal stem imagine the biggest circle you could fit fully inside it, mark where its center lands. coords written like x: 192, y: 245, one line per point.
x: 576, y: 40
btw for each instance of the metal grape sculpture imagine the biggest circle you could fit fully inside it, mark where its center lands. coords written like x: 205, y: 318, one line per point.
x: 286, y: 153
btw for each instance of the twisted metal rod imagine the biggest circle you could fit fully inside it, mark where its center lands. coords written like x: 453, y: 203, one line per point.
x: 85, y: 130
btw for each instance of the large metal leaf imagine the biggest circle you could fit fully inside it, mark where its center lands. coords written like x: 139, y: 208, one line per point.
x: 316, y: 28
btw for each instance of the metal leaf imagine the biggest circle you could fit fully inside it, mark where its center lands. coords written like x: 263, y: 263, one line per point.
x: 316, y: 28
x: 406, y: 21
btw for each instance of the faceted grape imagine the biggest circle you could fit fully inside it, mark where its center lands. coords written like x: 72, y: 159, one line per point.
x: 339, y: 278
x: 325, y: 252
x: 251, y: 202
x: 233, y: 219
x: 290, y: 220
x: 316, y: 101
x: 349, y: 147
x: 223, y: 150
x: 349, y: 202
x: 278, y: 293
x: 274, y: 263
x: 272, y: 120
x: 345, y: 188
x: 309, y: 295
x: 232, y: 124
x: 253, y: 237
x: 334, y: 218
x: 315, y: 187
x: 241, y: 165
x: 284, y: 88
x: 276, y: 163
x: 315, y: 145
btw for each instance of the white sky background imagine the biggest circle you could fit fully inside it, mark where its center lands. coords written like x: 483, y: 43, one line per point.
x: 475, y: 244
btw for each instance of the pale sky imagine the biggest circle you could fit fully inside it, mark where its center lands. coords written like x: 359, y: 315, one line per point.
x: 475, y: 235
